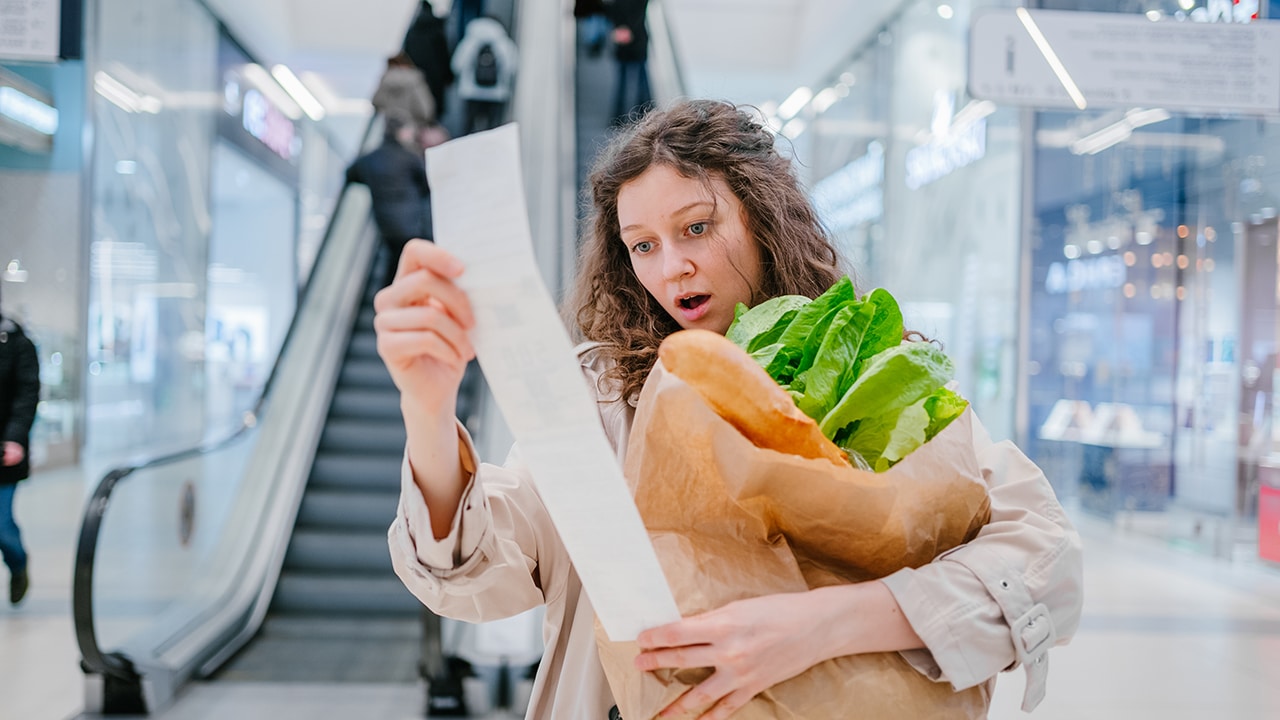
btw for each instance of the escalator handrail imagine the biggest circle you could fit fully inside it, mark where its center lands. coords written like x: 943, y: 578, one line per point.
x: 93, y: 660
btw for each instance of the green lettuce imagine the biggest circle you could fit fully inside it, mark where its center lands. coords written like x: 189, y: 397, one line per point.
x: 844, y: 362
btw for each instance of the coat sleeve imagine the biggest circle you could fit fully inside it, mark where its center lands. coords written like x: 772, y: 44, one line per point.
x: 26, y: 395
x: 1007, y: 596
x: 493, y: 563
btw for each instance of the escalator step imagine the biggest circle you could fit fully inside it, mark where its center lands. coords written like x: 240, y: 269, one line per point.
x: 300, y: 594
x: 363, y: 436
x: 363, y: 402
x: 340, y: 553
x: 356, y: 472
x: 364, y: 344
x: 361, y: 372
x: 348, y: 510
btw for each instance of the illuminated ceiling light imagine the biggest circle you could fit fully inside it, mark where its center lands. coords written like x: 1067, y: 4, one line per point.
x: 769, y: 108
x: 1183, y: 262
x: 116, y: 92
x: 1210, y: 234
x: 1055, y: 64
x: 946, y: 12
x: 21, y: 107
x: 971, y: 113
x: 299, y: 92
x: 1186, y: 4
x: 793, y: 128
x: 1094, y: 246
x: 269, y: 87
x: 1154, y: 15
x: 848, y: 78
x: 795, y: 102
x: 1130, y: 290
x: 1130, y: 259
x: 825, y: 99
x: 125, y: 97
x: 1118, y: 131
x: 1071, y: 251
x: 1183, y: 231
x: 1101, y: 140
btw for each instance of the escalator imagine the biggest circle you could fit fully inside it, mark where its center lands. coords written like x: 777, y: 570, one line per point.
x: 339, y: 613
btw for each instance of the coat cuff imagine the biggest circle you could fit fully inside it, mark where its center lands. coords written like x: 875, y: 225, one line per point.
x: 944, y: 656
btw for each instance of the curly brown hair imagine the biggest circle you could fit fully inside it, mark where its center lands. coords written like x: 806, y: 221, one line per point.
x: 699, y: 139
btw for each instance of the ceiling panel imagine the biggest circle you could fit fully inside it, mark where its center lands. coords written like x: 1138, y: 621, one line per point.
x: 753, y: 51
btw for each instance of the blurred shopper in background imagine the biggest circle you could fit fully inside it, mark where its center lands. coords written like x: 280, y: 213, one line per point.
x: 19, y: 394
x: 593, y: 25
x: 396, y: 174
x: 485, y: 65
x: 427, y: 46
x: 403, y: 91
x: 631, y: 48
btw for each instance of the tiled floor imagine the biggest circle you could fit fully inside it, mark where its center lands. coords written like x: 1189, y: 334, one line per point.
x: 1165, y: 635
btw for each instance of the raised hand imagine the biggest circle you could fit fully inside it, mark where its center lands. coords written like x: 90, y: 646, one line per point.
x: 421, y: 322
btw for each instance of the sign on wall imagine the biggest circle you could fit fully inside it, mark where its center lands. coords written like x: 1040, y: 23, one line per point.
x: 30, y: 29
x: 1084, y: 60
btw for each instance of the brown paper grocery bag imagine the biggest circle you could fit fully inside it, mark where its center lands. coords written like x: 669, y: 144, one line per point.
x: 730, y: 521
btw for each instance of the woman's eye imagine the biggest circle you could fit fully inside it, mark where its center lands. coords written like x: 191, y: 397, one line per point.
x: 697, y: 228
x: 642, y: 247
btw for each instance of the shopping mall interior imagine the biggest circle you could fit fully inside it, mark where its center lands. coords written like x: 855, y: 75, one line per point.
x: 1073, y: 199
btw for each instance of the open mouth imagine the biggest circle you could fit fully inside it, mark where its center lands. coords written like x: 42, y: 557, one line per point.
x: 693, y: 301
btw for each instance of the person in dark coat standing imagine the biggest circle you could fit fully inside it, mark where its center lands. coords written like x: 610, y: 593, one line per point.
x: 19, y: 394
x: 427, y: 46
x: 631, y: 48
x: 396, y: 173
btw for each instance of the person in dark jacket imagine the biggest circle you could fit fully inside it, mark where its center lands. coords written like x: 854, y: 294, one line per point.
x: 19, y: 393
x: 631, y: 48
x: 427, y: 46
x: 396, y: 174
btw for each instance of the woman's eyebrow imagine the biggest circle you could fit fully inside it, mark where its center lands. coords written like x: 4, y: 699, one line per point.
x: 681, y: 211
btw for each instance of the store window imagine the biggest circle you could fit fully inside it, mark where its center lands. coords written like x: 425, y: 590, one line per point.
x: 919, y: 184
x: 1154, y: 289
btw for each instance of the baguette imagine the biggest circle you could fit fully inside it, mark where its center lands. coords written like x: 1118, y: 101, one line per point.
x: 742, y: 393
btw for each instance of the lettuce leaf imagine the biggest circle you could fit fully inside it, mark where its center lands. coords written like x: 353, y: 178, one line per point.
x: 890, y: 381
x: 844, y: 363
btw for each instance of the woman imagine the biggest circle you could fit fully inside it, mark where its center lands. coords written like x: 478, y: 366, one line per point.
x: 694, y: 212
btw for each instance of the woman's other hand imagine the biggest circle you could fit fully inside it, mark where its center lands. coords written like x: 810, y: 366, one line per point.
x: 756, y: 643
x: 752, y: 644
x: 421, y: 322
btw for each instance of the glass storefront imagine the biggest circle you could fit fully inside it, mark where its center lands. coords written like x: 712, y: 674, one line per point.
x: 41, y: 266
x: 156, y: 248
x: 1146, y: 269
x: 919, y: 183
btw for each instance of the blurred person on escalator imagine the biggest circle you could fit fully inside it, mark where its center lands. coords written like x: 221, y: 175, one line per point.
x: 632, y: 96
x: 396, y: 174
x: 485, y: 65
x: 19, y: 394
x: 403, y: 91
x: 426, y: 44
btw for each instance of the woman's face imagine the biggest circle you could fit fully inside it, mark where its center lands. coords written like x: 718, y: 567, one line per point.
x: 689, y: 246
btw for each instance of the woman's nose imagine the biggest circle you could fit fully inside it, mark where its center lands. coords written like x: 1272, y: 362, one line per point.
x: 676, y: 264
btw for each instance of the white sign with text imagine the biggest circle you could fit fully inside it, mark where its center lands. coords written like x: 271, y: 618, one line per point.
x: 30, y: 29
x: 1118, y: 60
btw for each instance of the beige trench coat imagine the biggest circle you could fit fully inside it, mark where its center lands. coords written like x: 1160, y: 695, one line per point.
x: 998, y: 602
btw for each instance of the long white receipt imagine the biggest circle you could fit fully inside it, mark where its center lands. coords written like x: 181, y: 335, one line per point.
x: 479, y: 215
